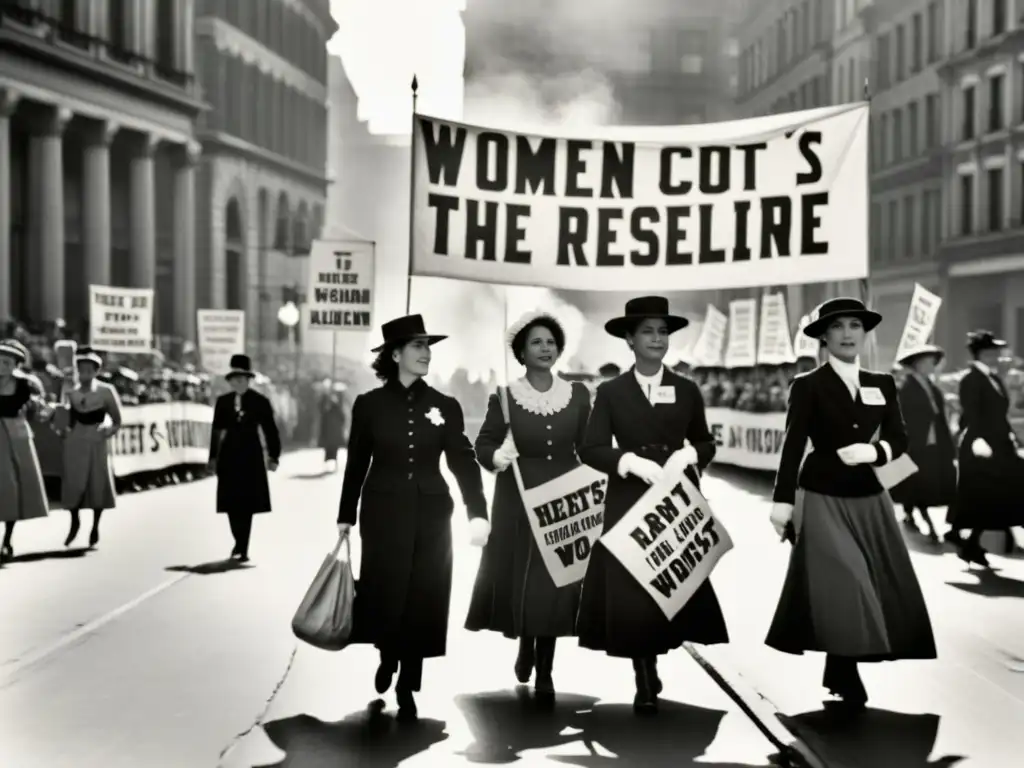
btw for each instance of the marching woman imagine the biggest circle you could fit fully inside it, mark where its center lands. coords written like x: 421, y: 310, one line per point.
x: 94, y: 416
x: 236, y: 453
x: 514, y: 594
x: 641, y: 419
x: 22, y: 492
x: 929, y: 441
x: 850, y: 591
x: 990, y: 489
x: 399, y: 432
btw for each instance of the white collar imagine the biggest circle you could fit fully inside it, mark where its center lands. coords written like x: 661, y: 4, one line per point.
x: 649, y: 380
x: 847, y: 371
x: 541, y: 403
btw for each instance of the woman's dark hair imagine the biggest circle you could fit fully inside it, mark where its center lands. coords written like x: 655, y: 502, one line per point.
x: 384, y: 365
x: 519, y: 340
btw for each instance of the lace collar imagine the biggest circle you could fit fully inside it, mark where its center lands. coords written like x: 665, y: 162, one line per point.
x: 541, y: 403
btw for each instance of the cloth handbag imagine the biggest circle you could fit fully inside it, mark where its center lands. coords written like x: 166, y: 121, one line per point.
x: 896, y: 471
x: 324, y: 617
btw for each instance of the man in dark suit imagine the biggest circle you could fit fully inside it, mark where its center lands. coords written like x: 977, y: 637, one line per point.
x: 236, y: 453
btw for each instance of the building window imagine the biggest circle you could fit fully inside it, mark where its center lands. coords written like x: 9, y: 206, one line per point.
x: 908, y: 227
x: 897, y: 135
x: 998, y: 17
x: 966, y: 204
x: 934, y: 32
x: 913, y: 130
x: 893, y: 239
x: 931, y: 121
x: 971, y: 24
x: 968, y: 112
x: 884, y: 63
x: 166, y: 27
x: 691, y: 64
x: 117, y: 26
x: 996, y: 118
x: 995, y: 199
x: 926, y: 223
x: 901, y: 53
x: 876, y: 228
x: 884, y: 149
x: 916, y: 43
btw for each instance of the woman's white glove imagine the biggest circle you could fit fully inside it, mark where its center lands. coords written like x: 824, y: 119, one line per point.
x: 505, y: 454
x: 781, y: 516
x: 858, y: 453
x: 687, y: 454
x: 479, y: 531
x: 645, y: 469
x: 981, y: 448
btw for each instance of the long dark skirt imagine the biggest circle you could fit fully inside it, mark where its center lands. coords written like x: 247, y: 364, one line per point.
x: 934, y: 483
x: 990, y: 492
x: 851, y: 589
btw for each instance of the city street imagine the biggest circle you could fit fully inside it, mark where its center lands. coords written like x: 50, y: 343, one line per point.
x: 136, y: 654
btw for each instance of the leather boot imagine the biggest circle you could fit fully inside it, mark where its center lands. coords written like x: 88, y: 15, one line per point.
x: 525, y: 660
x: 385, y: 673
x: 645, y: 701
x: 409, y: 679
x: 544, y: 686
x: 842, y: 679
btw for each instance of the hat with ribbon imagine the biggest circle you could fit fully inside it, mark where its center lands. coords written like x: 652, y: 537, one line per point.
x: 88, y: 355
x: 240, y: 365
x: 402, y: 330
x: 644, y: 308
x: 843, y: 306
x: 981, y: 340
x: 923, y: 350
x: 14, y: 349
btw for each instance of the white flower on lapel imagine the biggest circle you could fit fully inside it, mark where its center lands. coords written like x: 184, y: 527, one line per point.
x: 434, y: 417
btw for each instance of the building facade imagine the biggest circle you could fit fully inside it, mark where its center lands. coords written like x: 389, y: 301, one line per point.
x: 262, y: 179
x: 982, y: 254
x: 97, y: 157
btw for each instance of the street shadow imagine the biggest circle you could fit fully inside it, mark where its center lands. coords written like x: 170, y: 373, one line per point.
x: 210, y: 569
x: 875, y: 738
x: 506, y: 723
x: 367, y: 739
x: 991, y: 584
x: 677, y: 737
x: 919, y: 542
x: 55, y: 554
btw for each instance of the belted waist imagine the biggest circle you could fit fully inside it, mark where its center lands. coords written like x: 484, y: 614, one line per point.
x: 656, y: 452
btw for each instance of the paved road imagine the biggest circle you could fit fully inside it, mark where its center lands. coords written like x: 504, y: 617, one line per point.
x: 143, y: 654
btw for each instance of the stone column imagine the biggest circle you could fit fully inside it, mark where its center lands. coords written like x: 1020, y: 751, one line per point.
x: 96, y: 205
x: 142, y: 212
x: 8, y: 103
x: 46, y: 155
x: 185, y: 241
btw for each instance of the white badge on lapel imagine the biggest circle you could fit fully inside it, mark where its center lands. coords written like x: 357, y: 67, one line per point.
x: 663, y: 395
x: 872, y: 396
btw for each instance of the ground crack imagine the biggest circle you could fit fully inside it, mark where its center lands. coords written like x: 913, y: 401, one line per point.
x: 263, y: 712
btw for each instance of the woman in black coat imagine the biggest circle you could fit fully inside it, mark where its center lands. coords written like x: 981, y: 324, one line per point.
x: 399, y: 432
x: 850, y: 590
x: 929, y: 441
x: 990, y: 489
x: 640, y: 419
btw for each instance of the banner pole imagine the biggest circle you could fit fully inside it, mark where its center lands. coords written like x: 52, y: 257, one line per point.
x: 412, y: 192
x: 334, y: 356
x: 865, y: 283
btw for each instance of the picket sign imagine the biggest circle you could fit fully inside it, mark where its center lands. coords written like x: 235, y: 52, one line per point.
x: 566, y: 514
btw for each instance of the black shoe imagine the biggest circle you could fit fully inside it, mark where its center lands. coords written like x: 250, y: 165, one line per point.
x: 6, y: 552
x: 544, y: 685
x: 525, y: 661
x: 243, y: 558
x: 94, y: 537
x: 645, y: 702
x: 407, y: 712
x: 385, y: 674
x: 72, y: 533
x: 972, y: 555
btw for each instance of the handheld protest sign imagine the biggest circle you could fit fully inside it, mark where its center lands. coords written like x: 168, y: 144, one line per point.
x: 669, y: 541
x: 566, y: 515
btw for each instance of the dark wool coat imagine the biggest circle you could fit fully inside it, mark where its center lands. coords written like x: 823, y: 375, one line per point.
x: 616, y: 614
x: 396, y: 442
x: 929, y: 444
x: 235, y: 445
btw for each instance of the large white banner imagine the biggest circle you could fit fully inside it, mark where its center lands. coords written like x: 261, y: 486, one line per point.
x: 752, y: 440
x: 741, y: 351
x: 774, y: 346
x: 924, y: 309
x: 221, y: 334
x: 120, y: 319
x: 767, y: 201
x: 161, y: 435
x: 341, y: 288
x: 669, y: 541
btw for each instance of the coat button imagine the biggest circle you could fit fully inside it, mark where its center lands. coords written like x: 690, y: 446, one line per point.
x: 549, y: 426
x: 410, y: 458
x: 856, y: 426
x: 549, y: 458
x: 410, y: 433
x: 410, y: 475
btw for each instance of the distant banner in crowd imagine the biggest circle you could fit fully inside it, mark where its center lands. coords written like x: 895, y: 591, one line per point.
x: 669, y: 541
x: 752, y: 440
x: 221, y: 334
x: 774, y: 346
x: 924, y: 309
x: 341, y: 288
x: 741, y: 350
x: 804, y: 345
x: 161, y: 435
x: 772, y: 204
x: 709, y: 348
x: 120, y: 319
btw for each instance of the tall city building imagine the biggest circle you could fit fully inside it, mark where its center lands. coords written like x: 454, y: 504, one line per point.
x: 262, y: 178
x: 97, y: 106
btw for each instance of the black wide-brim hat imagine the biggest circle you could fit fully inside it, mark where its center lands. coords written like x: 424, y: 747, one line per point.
x: 979, y: 341
x: 925, y: 350
x: 842, y: 306
x: 88, y: 355
x: 240, y: 365
x: 644, y: 308
x: 402, y: 330
x: 15, y: 350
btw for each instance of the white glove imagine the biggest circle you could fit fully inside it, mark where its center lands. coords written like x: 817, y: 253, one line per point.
x: 781, y: 516
x: 505, y: 454
x: 1020, y: 452
x: 645, y: 469
x: 858, y: 453
x: 344, y: 529
x: 687, y: 455
x: 981, y: 449
x: 479, y: 531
